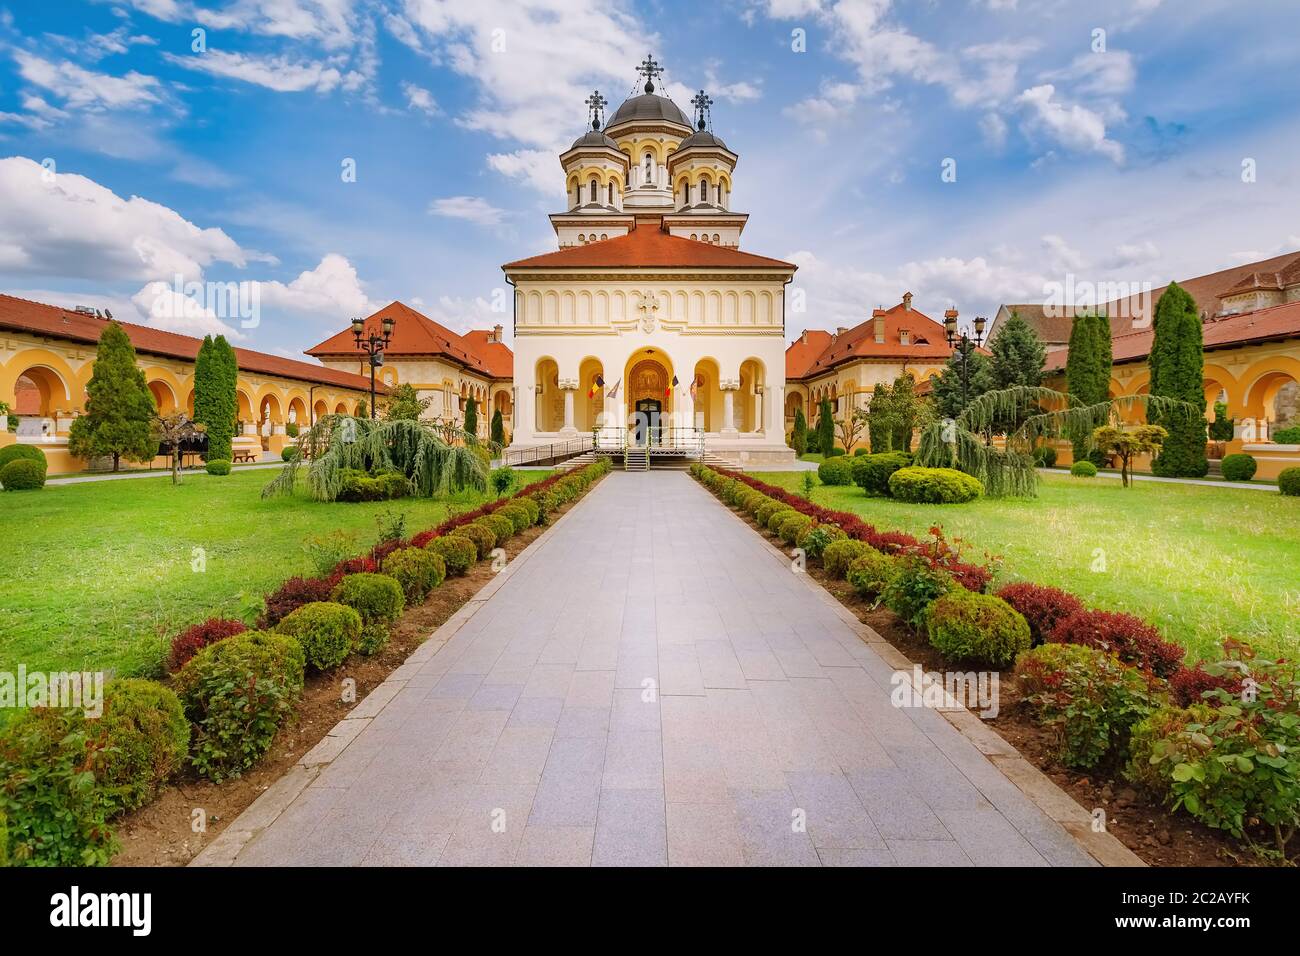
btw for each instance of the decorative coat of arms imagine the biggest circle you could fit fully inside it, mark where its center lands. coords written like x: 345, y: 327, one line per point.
x: 649, y: 306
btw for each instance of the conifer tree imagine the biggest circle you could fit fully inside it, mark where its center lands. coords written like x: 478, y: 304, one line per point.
x: 471, y: 417
x: 799, y: 433
x: 120, y: 409
x: 1018, y: 357
x: 1087, y: 369
x: 215, y: 400
x: 498, y: 429
x: 825, y: 428
x: 1177, y: 363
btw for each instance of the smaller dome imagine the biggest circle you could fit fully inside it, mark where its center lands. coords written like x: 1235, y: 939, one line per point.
x: 701, y: 137
x: 594, y: 137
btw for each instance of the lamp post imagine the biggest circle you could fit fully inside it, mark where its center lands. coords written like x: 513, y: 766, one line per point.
x: 964, y: 345
x: 373, y: 345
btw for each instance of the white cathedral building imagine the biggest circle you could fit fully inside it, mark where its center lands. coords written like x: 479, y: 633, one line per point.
x: 649, y: 324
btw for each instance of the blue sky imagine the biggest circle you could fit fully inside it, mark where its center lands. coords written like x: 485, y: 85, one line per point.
x: 128, y: 156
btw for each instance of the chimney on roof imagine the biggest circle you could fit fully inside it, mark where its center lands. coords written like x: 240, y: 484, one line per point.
x: 878, y: 324
x: 907, y: 302
x: 496, y: 334
x: 803, y: 337
x: 841, y: 330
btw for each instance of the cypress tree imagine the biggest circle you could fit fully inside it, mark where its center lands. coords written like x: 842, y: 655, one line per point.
x: 880, y: 431
x: 825, y: 427
x: 215, y: 402
x: 799, y: 434
x: 120, y: 409
x: 905, y: 412
x: 1177, y: 363
x: 1018, y: 357
x: 471, y: 417
x: 1087, y: 369
x: 498, y: 428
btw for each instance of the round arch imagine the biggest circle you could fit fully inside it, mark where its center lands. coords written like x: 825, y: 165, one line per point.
x: 548, y: 405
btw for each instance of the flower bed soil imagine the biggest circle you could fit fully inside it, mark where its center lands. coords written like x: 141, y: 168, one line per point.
x: 160, y: 833
x: 1158, y: 836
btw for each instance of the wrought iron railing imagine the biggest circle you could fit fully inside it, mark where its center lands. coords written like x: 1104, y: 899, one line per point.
x: 549, y: 452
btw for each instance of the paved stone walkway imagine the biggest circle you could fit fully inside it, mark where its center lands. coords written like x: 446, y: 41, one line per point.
x: 654, y: 686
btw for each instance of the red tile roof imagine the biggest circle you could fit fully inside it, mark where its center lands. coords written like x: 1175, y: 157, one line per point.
x: 1275, y: 322
x: 927, y: 341
x: 42, y: 319
x: 496, y: 356
x: 416, y: 334
x: 649, y: 245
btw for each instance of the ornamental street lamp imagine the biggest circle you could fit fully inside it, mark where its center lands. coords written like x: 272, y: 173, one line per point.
x: 963, y: 345
x: 373, y: 345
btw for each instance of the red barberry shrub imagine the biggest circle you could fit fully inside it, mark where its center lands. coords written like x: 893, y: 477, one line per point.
x: 192, y: 640
x: 1131, y: 639
x: 1189, y: 683
x: 1042, y: 607
x: 296, y: 592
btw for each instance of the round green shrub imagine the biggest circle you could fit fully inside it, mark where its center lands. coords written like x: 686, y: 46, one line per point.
x: 236, y: 693
x: 55, y: 815
x: 482, y: 536
x: 1145, y: 742
x: 376, y: 597
x: 835, y: 452
x: 326, y: 630
x: 793, y: 526
x: 458, y: 553
x: 21, y: 452
x: 1287, y: 436
x: 500, y: 525
x: 767, y: 509
x: 518, y: 515
x: 980, y: 628
x: 487, y: 526
x: 815, y: 539
x: 860, y: 451
x: 871, y: 472
x: 1288, y: 482
x: 1239, y: 467
x: 939, y: 486
x: 1083, y: 469
x: 774, y: 521
x: 218, y: 466
x: 870, y: 572
x: 836, y: 471
x: 418, y: 571
x: 839, y: 555
x: 532, y: 507
x: 288, y: 452
x: 143, y: 739
x: 22, y: 475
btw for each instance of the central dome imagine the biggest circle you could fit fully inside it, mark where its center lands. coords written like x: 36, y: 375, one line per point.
x: 649, y: 108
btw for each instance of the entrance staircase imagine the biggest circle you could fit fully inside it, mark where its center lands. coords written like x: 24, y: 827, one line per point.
x: 714, y: 460
x: 636, y: 458
x: 579, y: 461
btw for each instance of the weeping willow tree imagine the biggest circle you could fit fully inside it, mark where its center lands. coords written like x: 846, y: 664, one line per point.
x: 419, y: 450
x: 1009, y: 470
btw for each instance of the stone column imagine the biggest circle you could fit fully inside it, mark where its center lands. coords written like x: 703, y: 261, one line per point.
x: 729, y: 388
x: 569, y: 387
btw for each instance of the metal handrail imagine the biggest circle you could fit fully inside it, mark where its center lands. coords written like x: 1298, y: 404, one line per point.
x: 536, y: 453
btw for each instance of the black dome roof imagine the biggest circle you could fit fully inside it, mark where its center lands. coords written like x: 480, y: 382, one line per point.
x: 594, y: 137
x: 649, y: 107
x: 702, y: 137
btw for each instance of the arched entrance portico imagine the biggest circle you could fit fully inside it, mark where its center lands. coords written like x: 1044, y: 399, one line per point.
x: 649, y: 396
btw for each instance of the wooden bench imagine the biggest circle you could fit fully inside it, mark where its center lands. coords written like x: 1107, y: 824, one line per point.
x: 240, y: 457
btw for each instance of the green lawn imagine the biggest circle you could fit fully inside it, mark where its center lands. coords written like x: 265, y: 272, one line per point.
x: 1198, y: 562
x: 98, y: 575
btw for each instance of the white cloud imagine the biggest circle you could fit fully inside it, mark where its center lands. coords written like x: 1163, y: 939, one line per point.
x: 420, y: 99
x: 470, y: 208
x: 325, y: 294
x: 1071, y: 125
x: 994, y: 129
x: 163, y: 307
x: 80, y: 88
x: 332, y: 23
x: 1130, y: 254
x: 1061, y: 256
x: 277, y: 73
x: 1100, y: 74
x: 536, y: 167
x: 69, y: 226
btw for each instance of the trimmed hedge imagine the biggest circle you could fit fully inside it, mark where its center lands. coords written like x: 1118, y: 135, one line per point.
x: 457, y: 553
x: 1042, y: 607
x: 22, y: 475
x: 839, y: 555
x: 1288, y: 482
x: 871, y: 473
x: 141, y: 740
x: 1083, y: 469
x: 21, y: 452
x: 1239, y: 467
x: 774, y: 521
x: 218, y: 466
x: 236, y: 694
x: 913, y: 585
x: 381, y: 486
x: 519, y: 516
x: 327, y: 631
x: 870, y: 573
x: 1132, y: 639
x: 817, y: 537
x: 793, y: 526
x: 979, y: 628
x: 417, y: 570
x: 499, y: 525
x: 377, y: 598
x: 939, y: 486
x: 836, y: 471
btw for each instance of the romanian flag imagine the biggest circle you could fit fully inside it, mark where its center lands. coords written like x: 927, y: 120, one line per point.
x: 596, y: 386
x: 669, y: 390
